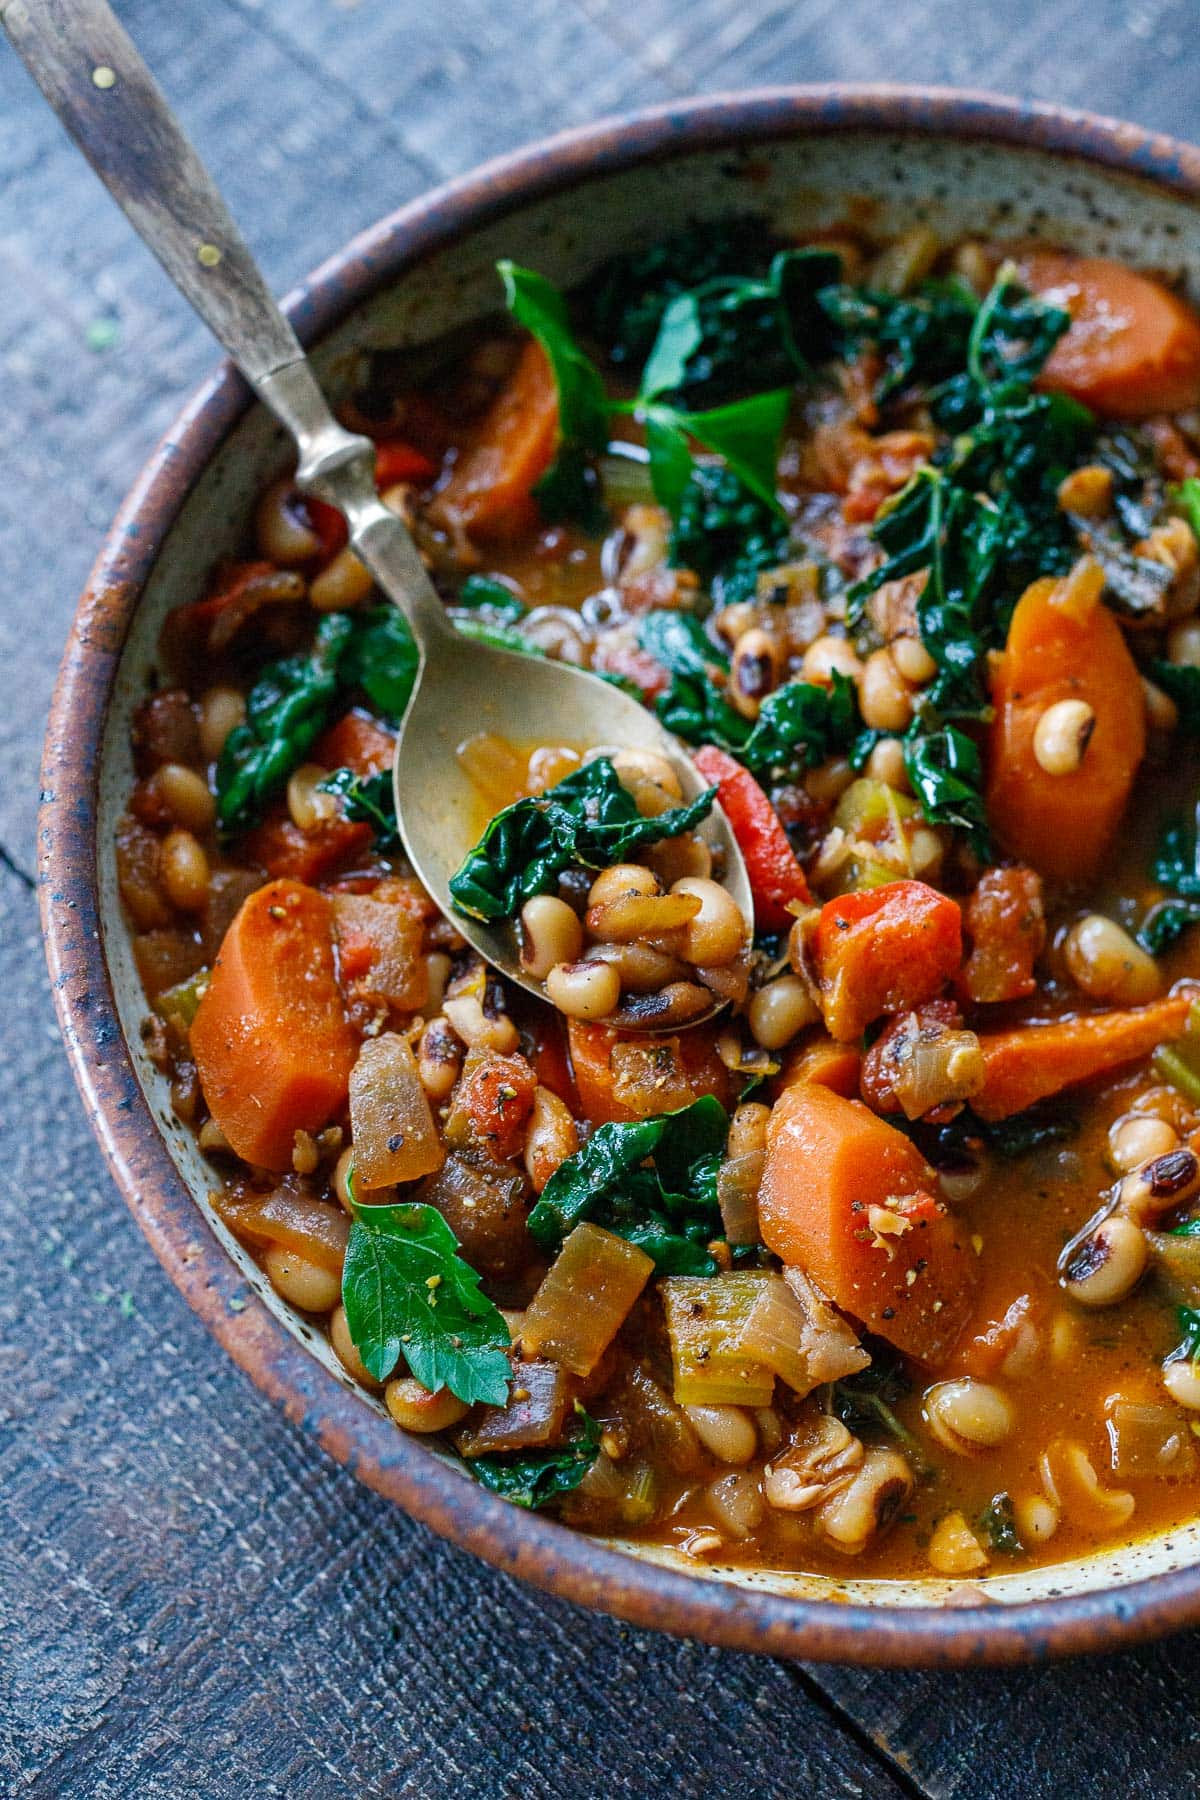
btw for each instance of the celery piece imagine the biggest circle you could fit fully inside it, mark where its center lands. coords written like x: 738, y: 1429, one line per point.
x: 1171, y: 1064
x: 182, y: 1000
x: 706, y: 1316
x: 585, y: 1298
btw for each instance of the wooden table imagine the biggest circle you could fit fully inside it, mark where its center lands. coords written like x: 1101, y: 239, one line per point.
x: 192, y: 1600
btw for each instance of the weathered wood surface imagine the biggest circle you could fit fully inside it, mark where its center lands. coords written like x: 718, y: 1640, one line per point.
x: 192, y: 1600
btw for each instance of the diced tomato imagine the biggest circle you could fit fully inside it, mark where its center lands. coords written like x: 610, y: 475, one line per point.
x: 397, y: 461
x: 882, y: 951
x: 356, y: 742
x: 280, y: 847
x: 329, y: 525
x: 775, y: 876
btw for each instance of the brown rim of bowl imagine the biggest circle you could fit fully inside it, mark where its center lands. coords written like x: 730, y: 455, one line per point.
x: 524, y: 1544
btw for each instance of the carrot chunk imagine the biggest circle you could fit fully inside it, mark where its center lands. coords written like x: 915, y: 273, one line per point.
x: 279, y: 846
x: 883, y: 950
x: 356, y: 742
x: 1031, y: 1062
x: 1063, y: 644
x: 1133, y: 346
x: 848, y: 1199
x: 272, y: 1045
x: 491, y: 488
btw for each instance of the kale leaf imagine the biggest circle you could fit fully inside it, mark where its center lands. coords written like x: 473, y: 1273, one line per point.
x: 693, y: 707
x: 408, y: 1293
x: 801, y: 724
x: 946, y: 774
x: 670, y: 1210
x: 622, y: 306
x: 1176, y: 867
x: 745, y: 434
x: 569, y: 490
x: 924, y: 337
x: 589, y: 819
x: 288, y: 708
x: 366, y: 799
x: 381, y: 659
x: 1189, y: 1325
x: 998, y: 1524
x: 866, y: 1402
x: 533, y: 1478
x: 734, y: 335
x: 1182, y: 682
x: 725, y: 533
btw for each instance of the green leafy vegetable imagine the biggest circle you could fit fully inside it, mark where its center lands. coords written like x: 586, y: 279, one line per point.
x: 408, y: 1293
x: 570, y: 487
x: 1187, y: 497
x: 998, y: 1524
x: 653, y: 1182
x: 623, y: 305
x: 366, y: 799
x: 587, y: 819
x: 381, y: 659
x: 1189, y: 1325
x: 1182, y: 682
x: 924, y: 337
x: 288, y: 708
x: 533, y: 1478
x: 866, y: 1402
x: 1176, y: 867
x: 801, y: 724
x: 693, y: 707
x: 946, y: 775
x: 1050, y: 1122
x: 736, y: 334
x: 725, y: 533
x: 745, y: 434
x: 489, y: 594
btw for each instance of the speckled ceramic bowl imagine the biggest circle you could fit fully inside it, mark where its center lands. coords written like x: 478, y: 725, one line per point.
x: 967, y: 163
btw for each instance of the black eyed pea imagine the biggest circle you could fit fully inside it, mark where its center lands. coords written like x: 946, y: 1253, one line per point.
x: 584, y: 990
x: 641, y: 968
x: 1183, y: 644
x: 781, y: 1010
x: 650, y: 779
x: 1159, y: 1185
x: 672, y: 859
x: 1062, y: 735
x: 867, y: 1503
x: 302, y: 1283
x: 1105, y: 1265
x: 884, y: 697
x: 439, y: 1059
x: 829, y: 655
x: 550, y: 933
x: 414, y: 1408
x: 754, y: 671
x: 1137, y: 1138
x: 551, y: 1137
x: 1105, y: 962
x: 184, y: 871
x: 1181, y: 1378
x: 282, y: 526
x: 186, y: 796
x: 308, y: 806
x: 713, y: 938
x: 968, y: 1415
x: 222, y: 710
x: 747, y: 1129
x: 347, y: 1352
x: 622, y: 879
x: 736, y: 1502
x: 344, y: 582
x: 727, y: 1432
x: 886, y: 764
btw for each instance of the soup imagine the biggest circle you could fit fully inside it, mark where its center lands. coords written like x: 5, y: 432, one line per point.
x: 865, y: 1228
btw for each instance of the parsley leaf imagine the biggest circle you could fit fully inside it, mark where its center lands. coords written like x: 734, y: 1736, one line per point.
x: 569, y: 490
x: 670, y: 1209
x: 745, y: 434
x: 589, y: 818
x: 408, y: 1293
x: 533, y: 1478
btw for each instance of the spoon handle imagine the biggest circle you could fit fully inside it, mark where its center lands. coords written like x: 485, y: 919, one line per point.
x: 89, y: 70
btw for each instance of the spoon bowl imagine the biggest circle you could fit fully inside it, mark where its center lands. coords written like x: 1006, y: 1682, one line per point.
x: 466, y: 687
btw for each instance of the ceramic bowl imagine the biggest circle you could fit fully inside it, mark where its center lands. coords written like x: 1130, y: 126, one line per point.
x: 885, y: 158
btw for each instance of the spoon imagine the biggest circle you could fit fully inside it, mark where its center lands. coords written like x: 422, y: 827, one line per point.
x: 95, y: 80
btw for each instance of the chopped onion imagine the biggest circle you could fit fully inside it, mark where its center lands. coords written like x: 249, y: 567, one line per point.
x: 935, y: 1065
x: 391, y: 1127
x: 310, y: 1228
x: 1177, y: 1259
x: 540, y: 1402
x: 798, y: 1335
x: 738, y: 1182
x: 706, y: 1315
x: 1148, y: 1439
x: 585, y: 1298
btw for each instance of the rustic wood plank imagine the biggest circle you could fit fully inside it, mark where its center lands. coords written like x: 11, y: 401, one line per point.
x: 196, y: 1600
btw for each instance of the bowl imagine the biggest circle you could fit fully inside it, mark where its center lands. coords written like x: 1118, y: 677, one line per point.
x: 886, y: 157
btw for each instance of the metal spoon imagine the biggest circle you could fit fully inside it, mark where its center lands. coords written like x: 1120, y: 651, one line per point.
x: 93, y: 77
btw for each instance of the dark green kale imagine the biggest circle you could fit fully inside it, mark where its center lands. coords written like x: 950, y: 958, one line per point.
x: 866, y: 1402
x: 1139, y: 492
x: 732, y: 336
x: 693, y: 707
x: 588, y: 819
x: 725, y: 533
x: 1182, y: 682
x: 946, y: 774
x: 288, y: 707
x: 1189, y: 1325
x: 998, y: 1524
x: 622, y: 306
x: 381, y: 659
x: 802, y: 724
x: 1051, y: 1122
x: 534, y: 1478
x: 923, y: 337
x: 653, y: 1182
x: 1176, y: 867
x: 368, y: 800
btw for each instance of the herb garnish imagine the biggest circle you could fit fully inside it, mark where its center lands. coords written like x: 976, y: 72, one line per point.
x: 998, y: 1524
x: 533, y: 1478
x: 653, y: 1182
x: 588, y: 819
x: 408, y: 1293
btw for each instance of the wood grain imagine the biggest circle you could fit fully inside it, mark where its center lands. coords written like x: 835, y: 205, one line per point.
x: 194, y: 1601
